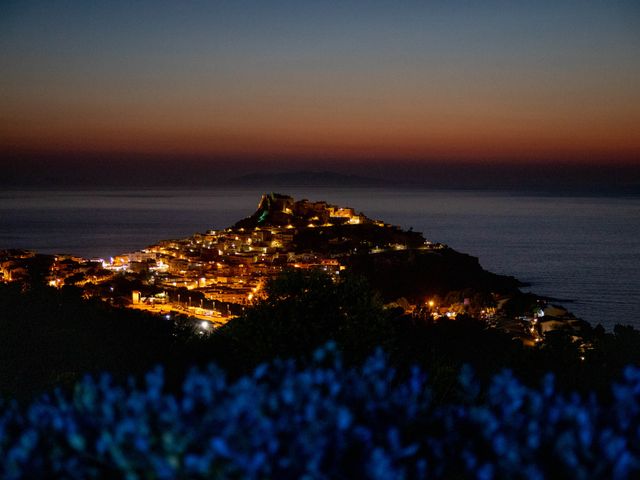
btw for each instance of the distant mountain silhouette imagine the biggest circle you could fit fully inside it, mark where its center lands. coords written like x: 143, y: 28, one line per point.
x: 307, y: 179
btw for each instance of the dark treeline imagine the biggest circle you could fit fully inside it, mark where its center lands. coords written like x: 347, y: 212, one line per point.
x: 54, y: 337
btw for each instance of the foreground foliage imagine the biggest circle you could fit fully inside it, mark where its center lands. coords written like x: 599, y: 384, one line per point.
x: 324, y: 420
x: 51, y: 338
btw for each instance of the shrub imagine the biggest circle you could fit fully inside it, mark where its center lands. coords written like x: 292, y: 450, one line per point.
x: 324, y: 420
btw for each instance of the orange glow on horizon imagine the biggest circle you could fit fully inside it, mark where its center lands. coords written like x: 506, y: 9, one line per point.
x: 512, y: 81
x: 397, y: 124
x: 465, y: 141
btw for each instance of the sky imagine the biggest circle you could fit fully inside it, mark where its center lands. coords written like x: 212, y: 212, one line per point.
x: 320, y: 83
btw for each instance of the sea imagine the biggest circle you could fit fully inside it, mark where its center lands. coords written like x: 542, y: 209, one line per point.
x: 583, y: 250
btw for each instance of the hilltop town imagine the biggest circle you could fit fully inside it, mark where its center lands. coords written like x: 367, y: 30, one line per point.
x: 214, y: 276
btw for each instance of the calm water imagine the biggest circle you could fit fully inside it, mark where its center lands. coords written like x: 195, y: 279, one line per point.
x: 582, y: 249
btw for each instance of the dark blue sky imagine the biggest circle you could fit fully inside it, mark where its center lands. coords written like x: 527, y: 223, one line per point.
x: 359, y: 81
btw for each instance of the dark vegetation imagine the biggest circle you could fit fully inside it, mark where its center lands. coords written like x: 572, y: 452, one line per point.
x: 52, y: 337
x: 336, y: 411
x: 411, y: 273
x: 322, y: 420
x: 345, y: 238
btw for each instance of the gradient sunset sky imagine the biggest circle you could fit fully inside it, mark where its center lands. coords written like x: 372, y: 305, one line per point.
x: 361, y: 81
